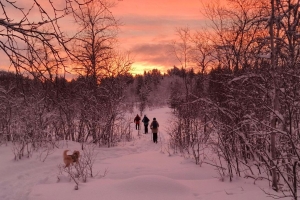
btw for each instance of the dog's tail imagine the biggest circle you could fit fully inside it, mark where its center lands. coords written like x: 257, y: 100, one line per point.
x: 65, y: 153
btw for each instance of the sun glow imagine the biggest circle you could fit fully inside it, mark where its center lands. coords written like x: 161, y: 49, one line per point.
x: 139, y: 68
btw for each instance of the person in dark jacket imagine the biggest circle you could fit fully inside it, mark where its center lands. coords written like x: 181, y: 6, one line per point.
x: 137, y: 120
x: 154, y: 127
x: 146, y: 123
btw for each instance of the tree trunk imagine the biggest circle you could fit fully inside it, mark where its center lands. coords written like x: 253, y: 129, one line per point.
x: 275, y: 101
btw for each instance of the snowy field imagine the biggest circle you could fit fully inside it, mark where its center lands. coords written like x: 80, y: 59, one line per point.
x: 137, y: 170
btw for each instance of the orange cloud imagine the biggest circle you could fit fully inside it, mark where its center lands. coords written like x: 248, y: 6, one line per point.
x: 149, y: 29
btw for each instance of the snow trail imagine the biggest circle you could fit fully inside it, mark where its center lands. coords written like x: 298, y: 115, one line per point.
x: 139, y: 169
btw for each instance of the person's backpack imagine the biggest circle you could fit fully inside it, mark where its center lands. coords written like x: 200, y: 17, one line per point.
x: 154, y: 124
x: 145, y: 120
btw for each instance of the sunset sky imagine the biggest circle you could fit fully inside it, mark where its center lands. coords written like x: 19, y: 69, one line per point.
x: 149, y: 27
x: 147, y: 31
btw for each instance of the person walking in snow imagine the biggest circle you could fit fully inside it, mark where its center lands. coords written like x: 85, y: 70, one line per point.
x: 137, y: 120
x: 146, y: 123
x: 154, y: 127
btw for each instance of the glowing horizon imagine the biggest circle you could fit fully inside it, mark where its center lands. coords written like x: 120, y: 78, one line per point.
x: 150, y: 27
x: 140, y: 68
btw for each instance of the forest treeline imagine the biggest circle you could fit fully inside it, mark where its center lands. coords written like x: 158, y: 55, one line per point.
x: 235, y: 90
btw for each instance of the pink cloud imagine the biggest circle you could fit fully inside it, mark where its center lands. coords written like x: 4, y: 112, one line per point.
x: 149, y: 27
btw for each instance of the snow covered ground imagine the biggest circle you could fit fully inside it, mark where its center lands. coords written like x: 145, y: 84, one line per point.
x: 137, y: 170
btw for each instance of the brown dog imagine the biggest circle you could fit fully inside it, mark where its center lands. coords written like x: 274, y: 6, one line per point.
x: 70, y: 159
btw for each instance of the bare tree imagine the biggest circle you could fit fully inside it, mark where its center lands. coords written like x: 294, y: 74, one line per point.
x: 21, y: 25
x: 93, y: 45
x: 183, y: 51
x: 275, y: 101
x: 102, y: 69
